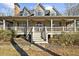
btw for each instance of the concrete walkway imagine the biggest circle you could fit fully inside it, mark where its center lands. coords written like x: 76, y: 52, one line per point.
x: 34, y: 49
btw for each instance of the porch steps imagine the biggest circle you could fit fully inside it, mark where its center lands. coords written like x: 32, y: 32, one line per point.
x: 37, y: 37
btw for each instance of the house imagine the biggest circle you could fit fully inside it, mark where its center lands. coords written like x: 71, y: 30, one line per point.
x: 39, y: 23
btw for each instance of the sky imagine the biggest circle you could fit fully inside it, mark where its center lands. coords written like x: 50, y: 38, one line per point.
x: 8, y: 8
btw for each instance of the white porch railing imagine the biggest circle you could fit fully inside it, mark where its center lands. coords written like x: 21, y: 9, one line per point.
x: 17, y: 29
x: 36, y: 29
x: 21, y: 29
x: 60, y: 28
x: 69, y: 29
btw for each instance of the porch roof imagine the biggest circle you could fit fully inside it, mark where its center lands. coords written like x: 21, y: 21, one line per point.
x: 38, y: 17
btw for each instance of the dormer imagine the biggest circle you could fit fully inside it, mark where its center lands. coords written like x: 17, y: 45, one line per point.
x: 39, y: 10
x: 25, y: 12
x: 54, y: 12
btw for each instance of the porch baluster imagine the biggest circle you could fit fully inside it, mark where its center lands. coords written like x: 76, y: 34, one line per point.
x: 75, y: 25
x: 46, y: 34
x: 33, y: 30
x: 51, y: 27
x: 3, y: 24
x: 63, y: 28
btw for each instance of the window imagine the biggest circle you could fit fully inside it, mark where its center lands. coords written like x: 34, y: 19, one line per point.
x: 24, y: 14
x: 39, y: 13
x: 21, y: 24
x: 57, y: 24
x: 1, y: 23
x: 77, y: 23
x: 39, y: 24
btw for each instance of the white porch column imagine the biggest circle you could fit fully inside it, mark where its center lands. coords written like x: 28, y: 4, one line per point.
x: 63, y: 28
x: 32, y: 34
x: 63, y: 25
x: 33, y: 29
x: 51, y: 27
x: 3, y: 24
x: 27, y: 23
x: 46, y: 35
x: 75, y: 29
x: 15, y: 25
x: 27, y: 29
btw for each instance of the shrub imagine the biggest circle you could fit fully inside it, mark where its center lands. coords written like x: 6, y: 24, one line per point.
x: 69, y: 38
x: 76, y: 38
x: 5, y: 35
x: 54, y: 40
x: 66, y: 39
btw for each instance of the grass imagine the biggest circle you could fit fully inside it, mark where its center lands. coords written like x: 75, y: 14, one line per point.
x: 8, y: 52
x: 33, y: 52
x: 67, y: 51
x: 6, y: 49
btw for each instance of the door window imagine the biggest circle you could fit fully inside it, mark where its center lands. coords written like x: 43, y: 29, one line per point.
x: 39, y: 24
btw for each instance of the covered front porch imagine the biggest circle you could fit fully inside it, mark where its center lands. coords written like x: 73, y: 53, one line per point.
x: 40, y: 27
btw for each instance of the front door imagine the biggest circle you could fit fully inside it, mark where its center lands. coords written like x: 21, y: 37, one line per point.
x: 39, y: 26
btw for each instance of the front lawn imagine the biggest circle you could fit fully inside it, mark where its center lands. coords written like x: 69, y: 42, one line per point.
x: 66, y: 51
x: 6, y: 49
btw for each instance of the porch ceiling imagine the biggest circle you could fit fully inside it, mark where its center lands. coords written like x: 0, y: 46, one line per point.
x: 38, y: 17
x: 54, y: 17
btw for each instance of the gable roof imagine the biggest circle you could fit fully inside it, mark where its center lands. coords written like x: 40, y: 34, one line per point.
x: 21, y: 12
x: 32, y: 12
x: 26, y: 10
x: 47, y: 12
x: 39, y: 4
x: 57, y: 12
x: 17, y: 4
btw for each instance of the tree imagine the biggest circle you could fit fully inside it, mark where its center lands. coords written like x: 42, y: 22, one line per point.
x: 72, y: 9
